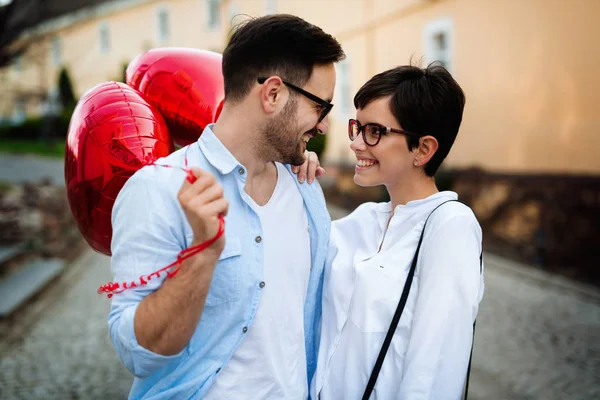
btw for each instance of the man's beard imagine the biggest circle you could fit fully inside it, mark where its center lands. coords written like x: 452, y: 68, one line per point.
x: 282, y: 143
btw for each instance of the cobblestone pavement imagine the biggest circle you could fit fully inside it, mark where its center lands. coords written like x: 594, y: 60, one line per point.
x: 18, y: 168
x: 536, y: 339
x: 58, y: 347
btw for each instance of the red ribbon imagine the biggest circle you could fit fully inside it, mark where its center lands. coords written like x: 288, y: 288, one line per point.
x: 112, y: 288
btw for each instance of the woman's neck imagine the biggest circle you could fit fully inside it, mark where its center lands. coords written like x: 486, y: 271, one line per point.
x: 408, y: 190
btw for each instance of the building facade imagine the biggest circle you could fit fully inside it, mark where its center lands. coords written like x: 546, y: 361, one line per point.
x: 527, y: 66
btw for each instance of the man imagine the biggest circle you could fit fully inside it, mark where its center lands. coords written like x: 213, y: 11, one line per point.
x: 239, y: 319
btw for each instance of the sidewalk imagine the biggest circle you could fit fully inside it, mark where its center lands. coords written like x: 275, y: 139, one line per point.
x: 29, y: 168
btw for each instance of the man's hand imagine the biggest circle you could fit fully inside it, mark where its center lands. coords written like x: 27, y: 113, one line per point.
x: 202, y: 203
x: 310, y: 169
x: 166, y: 320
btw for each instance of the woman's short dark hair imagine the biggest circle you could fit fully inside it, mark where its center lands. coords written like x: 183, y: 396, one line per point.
x: 426, y: 101
x: 279, y: 44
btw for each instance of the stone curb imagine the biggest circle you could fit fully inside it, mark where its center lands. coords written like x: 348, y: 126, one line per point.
x: 543, y: 278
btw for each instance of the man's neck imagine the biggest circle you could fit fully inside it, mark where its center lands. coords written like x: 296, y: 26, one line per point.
x: 238, y: 136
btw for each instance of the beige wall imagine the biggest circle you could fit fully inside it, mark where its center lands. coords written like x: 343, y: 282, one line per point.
x: 527, y: 66
x: 532, y: 85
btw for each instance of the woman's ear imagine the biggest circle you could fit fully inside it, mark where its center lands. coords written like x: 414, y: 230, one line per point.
x: 428, y: 145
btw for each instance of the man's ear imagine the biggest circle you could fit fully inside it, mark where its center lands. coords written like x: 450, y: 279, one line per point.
x: 272, y: 95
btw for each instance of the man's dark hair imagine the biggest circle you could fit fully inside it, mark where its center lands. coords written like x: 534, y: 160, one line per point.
x: 279, y: 44
x: 426, y: 101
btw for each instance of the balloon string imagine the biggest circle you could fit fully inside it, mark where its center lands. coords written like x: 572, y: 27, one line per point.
x: 112, y: 288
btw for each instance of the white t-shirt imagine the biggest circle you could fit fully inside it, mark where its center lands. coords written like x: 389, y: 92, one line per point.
x: 271, y: 360
x: 429, y: 352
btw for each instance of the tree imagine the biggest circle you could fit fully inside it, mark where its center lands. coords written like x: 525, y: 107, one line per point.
x: 317, y: 144
x: 124, y: 72
x: 19, y: 18
x: 65, y: 89
x: 12, y: 25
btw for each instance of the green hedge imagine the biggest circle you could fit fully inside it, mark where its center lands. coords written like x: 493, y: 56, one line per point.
x: 33, y: 128
x: 317, y: 144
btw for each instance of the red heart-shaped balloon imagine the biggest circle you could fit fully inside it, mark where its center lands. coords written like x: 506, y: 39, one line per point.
x: 113, y: 133
x: 186, y: 85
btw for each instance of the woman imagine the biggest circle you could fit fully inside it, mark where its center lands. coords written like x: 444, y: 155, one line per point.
x: 406, y: 122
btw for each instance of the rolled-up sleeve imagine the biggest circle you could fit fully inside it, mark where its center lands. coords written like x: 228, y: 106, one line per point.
x: 450, y: 288
x: 147, y: 236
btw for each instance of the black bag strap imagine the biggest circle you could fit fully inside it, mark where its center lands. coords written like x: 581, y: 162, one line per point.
x: 473, y: 342
x: 396, y: 319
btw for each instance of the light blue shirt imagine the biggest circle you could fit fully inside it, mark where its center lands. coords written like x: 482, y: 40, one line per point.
x: 150, y: 229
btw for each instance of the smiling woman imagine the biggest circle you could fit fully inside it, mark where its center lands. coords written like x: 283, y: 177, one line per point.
x: 416, y: 344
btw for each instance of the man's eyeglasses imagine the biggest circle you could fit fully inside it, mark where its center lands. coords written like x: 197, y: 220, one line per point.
x: 324, y: 104
x: 372, y: 133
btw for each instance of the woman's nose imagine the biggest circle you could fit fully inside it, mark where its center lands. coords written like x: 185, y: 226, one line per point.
x: 358, y: 143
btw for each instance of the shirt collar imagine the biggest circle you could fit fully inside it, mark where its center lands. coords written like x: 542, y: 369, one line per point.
x: 432, y: 200
x: 383, y: 207
x: 382, y: 211
x: 215, y: 151
x: 386, y: 208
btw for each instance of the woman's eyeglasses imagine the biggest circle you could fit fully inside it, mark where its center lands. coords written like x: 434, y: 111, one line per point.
x: 372, y: 133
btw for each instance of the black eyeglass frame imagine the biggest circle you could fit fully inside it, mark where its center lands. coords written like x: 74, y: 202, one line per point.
x: 382, y: 130
x: 327, y: 106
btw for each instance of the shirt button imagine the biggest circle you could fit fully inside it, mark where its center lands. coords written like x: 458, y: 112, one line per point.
x: 262, y: 285
x: 258, y: 239
x: 241, y: 171
x: 245, y: 329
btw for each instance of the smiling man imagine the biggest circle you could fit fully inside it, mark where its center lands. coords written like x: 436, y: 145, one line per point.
x: 239, y: 319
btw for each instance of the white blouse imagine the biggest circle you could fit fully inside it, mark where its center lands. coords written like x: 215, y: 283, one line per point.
x: 430, y: 350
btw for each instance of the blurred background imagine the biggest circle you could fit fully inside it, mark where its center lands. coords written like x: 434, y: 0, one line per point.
x: 527, y: 160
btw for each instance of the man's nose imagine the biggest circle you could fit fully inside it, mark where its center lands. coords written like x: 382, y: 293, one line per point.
x: 323, y: 126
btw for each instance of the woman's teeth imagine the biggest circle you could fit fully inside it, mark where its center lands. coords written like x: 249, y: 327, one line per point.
x: 365, y: 163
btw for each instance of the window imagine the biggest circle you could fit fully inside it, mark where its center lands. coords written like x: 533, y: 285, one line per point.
x: 270, y: 6
x: 344, y: 95
x: 438, y: 42
x: 51, y: 105
x: 19, y: 114
x: 214, y: 10
x: 104, y: 38
x: 55, y: 51
x: 164, y: 30
x: 18, y: 63
x: 233, y: 10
